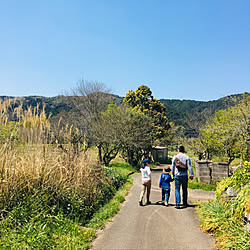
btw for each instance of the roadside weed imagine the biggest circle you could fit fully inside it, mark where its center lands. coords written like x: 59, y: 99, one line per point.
x: 224, y: 217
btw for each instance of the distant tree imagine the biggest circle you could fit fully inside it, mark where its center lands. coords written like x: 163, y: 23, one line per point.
x: 94, y: 98
x: 243, y: 107
x: 105, y: 133
x: 143, y: 101
x: 87, y: 100
x: 173, y: 137
x: 228, y: 132
x: 196, y: 120
x: 124, y: 130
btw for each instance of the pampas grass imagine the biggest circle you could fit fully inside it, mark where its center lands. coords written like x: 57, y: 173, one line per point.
x: 32, y: 162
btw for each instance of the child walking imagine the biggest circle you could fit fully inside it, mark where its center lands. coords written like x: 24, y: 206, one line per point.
x: 146, y: 181
x: 164, y: 184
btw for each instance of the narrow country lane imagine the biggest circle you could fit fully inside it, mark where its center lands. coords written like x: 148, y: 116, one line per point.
x: 154, y: 226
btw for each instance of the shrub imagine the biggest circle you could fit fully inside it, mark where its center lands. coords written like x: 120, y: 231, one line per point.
x: 47, y: 192
x: 220, y: 219
x: 240, y: 178
x: 31, y: 225
x: 117, y: 178
x: 224, y: 216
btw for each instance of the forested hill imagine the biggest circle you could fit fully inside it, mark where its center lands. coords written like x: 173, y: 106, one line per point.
x: 53, y: 105
x: 177, y: 110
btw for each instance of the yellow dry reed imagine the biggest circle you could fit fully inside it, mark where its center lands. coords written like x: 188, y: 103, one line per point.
x: 31, y: 162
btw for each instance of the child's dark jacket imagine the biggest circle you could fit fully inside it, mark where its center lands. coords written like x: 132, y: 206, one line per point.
x: 165, y: 180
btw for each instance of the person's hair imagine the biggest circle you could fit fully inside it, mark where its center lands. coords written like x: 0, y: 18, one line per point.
x: 181, y: 149
x: 168, y: 169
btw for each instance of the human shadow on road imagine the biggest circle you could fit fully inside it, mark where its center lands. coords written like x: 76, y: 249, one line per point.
x: 159, y: 203
x: 156, y: 169
x: 186, y: 206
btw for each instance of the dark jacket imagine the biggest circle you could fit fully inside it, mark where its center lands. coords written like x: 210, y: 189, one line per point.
x: 165, y: 180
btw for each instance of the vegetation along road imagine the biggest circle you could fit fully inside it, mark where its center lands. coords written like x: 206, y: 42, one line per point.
x: 155, y: 226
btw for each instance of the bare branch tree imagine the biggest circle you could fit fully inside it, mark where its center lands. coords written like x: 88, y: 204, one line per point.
x: 196, y: 120
x: 91, y: 98
x: 87, y: 100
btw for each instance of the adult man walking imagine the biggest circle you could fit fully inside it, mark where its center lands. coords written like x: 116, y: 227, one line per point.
x: 181, y: 163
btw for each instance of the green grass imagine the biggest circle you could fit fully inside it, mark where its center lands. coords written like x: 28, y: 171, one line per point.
x: 218, y: 218
x: 109, y: 210
x: 198, y: 185
x: 38, y: 227
x: 31, y: 224
x: 123, y: 168
x: 224, y: 217
x: 236, y: 162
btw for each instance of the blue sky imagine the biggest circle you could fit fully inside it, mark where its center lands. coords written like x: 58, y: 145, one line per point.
x: 181, y: 49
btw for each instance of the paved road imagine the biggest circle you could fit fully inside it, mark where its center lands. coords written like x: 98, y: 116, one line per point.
x: 154, y: 226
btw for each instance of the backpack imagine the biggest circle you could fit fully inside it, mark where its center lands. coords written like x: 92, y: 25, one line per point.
x: 180, y: 165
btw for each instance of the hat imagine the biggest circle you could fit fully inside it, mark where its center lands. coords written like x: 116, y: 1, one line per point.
x: 147, y: 161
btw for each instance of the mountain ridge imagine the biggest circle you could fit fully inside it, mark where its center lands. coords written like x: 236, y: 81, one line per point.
x: 177, y: 110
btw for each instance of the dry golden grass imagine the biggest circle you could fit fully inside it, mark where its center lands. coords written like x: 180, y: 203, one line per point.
x: 29, y: 162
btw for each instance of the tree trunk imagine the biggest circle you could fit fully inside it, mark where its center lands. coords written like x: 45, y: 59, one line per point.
x: 100, y: 153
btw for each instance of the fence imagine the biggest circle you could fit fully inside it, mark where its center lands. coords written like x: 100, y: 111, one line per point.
x: 209, y: 172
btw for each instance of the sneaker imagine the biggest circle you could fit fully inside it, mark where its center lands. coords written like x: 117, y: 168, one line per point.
x: 166, y: 203
x: 185, y: 205
x: 148, y: 202
x: 140, y: 203
x: 177, y: 206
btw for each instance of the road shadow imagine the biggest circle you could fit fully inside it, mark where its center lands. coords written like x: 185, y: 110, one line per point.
x: 157, y: 169
x: 159, y: 203
x: 186, y: 206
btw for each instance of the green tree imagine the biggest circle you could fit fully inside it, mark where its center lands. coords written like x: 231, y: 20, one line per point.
x: 137, y: 136
x: 105, y: 133
x: 228, y: 133
x: 122, y: 129
x: 143, y: 101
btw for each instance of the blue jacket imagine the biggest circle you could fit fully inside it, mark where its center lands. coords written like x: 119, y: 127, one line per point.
x: 165, y: 180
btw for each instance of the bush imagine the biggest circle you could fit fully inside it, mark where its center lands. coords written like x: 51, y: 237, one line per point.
x: 221, y: 219
x: 224, y: 216
x: 27, y: 227
x: 240, y: 178
x: 47, y: 194
x: 117, y: 178
x: 52, y: 216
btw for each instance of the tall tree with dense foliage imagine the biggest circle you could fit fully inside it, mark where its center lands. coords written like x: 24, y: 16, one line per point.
x: 143, y: 101
x: 137, y: 136
x: 228, y: 133
x: 124, y: 130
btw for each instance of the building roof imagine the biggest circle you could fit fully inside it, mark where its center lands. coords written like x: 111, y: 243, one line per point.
x: 159, y: 148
